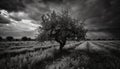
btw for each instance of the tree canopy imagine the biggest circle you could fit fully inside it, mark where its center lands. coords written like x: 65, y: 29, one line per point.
x: 9, y: 38
x: 61, y: 27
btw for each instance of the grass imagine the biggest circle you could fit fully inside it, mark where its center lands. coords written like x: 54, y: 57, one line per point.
x: 52, y: 58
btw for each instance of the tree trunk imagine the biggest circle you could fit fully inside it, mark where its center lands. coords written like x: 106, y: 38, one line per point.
x: 62, y: 45
x: 62, y: 42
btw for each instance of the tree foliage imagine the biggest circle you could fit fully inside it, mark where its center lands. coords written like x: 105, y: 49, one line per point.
x: 61, y: 27
x: 9, y: 38
x: 25, y: 38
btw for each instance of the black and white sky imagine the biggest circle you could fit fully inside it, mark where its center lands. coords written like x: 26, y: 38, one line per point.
x: 22, y: 17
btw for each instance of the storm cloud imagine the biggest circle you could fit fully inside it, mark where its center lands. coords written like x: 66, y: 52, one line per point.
x: 101, y: 16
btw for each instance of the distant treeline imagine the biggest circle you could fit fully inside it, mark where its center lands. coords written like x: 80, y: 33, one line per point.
x: 102, y: 39
x: 10, y: 38
x: 25, y: 38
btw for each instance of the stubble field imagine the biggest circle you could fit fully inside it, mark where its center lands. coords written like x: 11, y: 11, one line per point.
x: 75, y: 55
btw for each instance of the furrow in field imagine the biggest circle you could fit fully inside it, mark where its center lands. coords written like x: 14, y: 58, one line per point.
x: 113, y: 44
x: 117, y: 42
x: 96, y: 53
x: 72, y: 46
x: 14, y: 52
x: 106, y: 45
x: 94, y: 47
x: 114, y: 51
x: 89, y: 46
x: 82, y: 46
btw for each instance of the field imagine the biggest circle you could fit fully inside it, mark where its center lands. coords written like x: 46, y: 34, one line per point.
x: 75, y: 55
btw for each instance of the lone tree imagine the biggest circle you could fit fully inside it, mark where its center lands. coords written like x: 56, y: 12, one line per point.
x: 60, y: 27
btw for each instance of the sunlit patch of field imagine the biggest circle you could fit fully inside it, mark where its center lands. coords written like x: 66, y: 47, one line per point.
x: 75, y: 55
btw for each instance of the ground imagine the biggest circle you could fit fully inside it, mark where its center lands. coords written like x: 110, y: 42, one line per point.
x: 75, y: 55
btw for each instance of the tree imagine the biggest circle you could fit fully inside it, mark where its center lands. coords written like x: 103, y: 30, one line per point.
x: 60, y: 27
x: 24, y: 38
x: 1, y: 39
x: 9, y: 38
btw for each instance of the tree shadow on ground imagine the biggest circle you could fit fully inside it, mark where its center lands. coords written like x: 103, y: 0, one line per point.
x: 80, y: 59
x: 56, y: 55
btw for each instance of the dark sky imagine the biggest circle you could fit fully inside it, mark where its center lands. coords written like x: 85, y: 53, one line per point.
x: 22, y: 16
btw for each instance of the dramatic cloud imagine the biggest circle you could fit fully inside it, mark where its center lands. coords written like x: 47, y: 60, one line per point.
x: 25, y: 25
x: 102, y: 16
x: 19, y: 15
x: 4, y: 17
x: 18, y: 23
